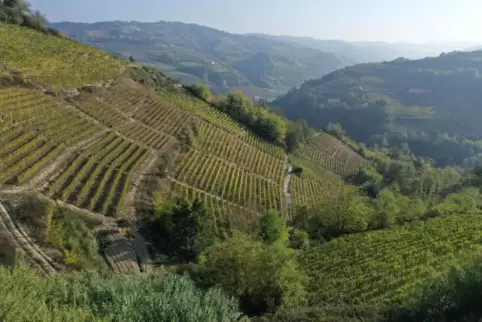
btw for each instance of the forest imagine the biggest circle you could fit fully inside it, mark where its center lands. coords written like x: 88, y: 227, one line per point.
x: 430, y: 104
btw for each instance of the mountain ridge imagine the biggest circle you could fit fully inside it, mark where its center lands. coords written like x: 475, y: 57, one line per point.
x: 195, y: 53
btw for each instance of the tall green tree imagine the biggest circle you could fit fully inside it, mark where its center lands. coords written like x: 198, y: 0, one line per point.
x: 264, y: 277
x: 273, y: 228
x: 181, y: 228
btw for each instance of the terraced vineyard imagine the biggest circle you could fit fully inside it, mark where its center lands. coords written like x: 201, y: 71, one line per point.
x: 331, y: 154
x: 99, y: 177
x: 202, y: 109
x: 111, y: 117
x: 219, y: 207
x: 385, y: 266
x: 56, y: 62
x: 234, y: 149
x: 238, y: 186
x: 314, y: 184
x: 34, y: 131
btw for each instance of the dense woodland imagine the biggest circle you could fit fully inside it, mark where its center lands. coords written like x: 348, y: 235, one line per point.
x: 430, y: 104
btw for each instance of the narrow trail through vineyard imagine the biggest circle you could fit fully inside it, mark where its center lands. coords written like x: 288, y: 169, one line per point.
x: 23, y: 243
x: 286, y: 186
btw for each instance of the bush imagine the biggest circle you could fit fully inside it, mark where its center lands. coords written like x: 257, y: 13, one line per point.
x: 202, y: 91
x: 264, y: 277
x: 89, y: 296
x: 454, y: 297
x: 273, y: 228
x: 180, y: 228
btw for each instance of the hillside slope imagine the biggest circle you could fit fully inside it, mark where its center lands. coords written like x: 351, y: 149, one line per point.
x: 370, y: 51
x: 192, y: 53
x: 412, y: 99
x: 96, y: 142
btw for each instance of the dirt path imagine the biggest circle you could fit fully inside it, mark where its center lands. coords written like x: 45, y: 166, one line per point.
x: 286, y: 186
x: 22, y: 242
x: 144, y: 168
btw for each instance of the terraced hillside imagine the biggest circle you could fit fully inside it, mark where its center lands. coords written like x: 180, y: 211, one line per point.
x: 58, y: 63
x: 327, y: 152
x: 387, y: 266
x: 80, y: 131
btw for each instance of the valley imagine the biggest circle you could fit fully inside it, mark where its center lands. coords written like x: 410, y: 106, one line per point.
x: 126, y: 195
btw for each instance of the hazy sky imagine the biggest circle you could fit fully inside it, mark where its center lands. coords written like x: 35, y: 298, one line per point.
x: 387, y: 20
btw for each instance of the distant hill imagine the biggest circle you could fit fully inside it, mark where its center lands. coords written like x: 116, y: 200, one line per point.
x: 369, y: 51
x: 193, y: 53
x: 420, y: 101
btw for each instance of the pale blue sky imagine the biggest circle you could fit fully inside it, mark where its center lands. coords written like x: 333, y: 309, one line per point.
x: 386, y: 20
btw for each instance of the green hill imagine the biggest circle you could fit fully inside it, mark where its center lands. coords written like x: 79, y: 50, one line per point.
x: 76, y: 128
x: 116, y: 167
x: 431, y: 103
x: 392, y: 265
x: 192, y: 53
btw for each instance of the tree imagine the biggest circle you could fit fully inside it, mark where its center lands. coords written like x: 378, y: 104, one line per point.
x: 273, y: 228
x: 264, y: 277
x: 182, y: 229
x: 202, y: 91
x: 299, y: 239
x: 385, y: 210
x: 345, y: 211
x: 336, y: 130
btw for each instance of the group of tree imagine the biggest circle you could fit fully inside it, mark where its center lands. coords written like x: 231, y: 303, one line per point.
x: 259, y: 267
x: 258, y: 118
x: 18, y: 12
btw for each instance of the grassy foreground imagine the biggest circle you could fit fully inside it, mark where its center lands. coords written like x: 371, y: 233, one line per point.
x: 90, y: 296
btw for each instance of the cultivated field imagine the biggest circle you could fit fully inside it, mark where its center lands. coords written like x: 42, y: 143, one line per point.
x: 385, y: 266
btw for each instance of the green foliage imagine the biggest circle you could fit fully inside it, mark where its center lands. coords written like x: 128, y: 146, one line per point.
x: 299, y: 239
x: 258, y: 118
x: 403, y: 101
x: 74, y: 238
x: 455, y: 296
x: 150, y: 77
x: 201, y: 90
x: 69, y: 232
x: 465, y: 202
x: 264, y: 277
x: 336, y: 130
x: 297, y: 135
x: 18, y: 12
x: 389, y: 266
x: 180, y: 228
x: 385, y: 210
x: 273, y: 228
x: 346, y: 211
x: 89, y: 296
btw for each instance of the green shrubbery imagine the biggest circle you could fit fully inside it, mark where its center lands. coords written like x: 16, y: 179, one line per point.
x: 89, y: 296
x: 18, y: 12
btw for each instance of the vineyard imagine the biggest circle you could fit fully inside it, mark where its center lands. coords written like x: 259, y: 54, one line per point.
x: 386, y: 266
x: 231, y: 183
x: 331, y: 154
x: 314, y: 184
x: 56, y: 62
x: 34, y: 131
x: 98, y: 178
x: 226, y: 165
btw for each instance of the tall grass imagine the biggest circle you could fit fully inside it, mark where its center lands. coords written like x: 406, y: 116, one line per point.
x: 91, y: 296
